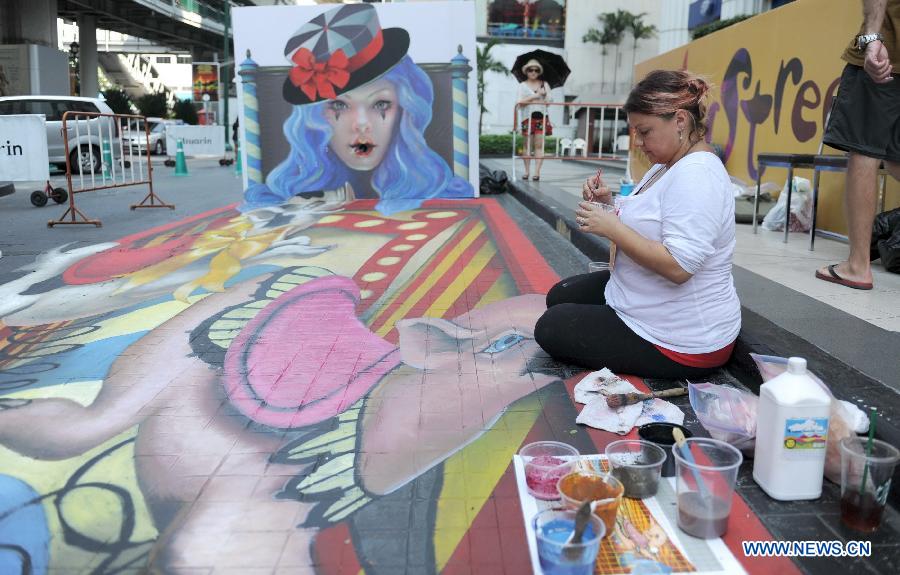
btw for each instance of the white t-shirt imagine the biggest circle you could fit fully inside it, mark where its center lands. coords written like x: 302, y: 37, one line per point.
x: 526, y: 92
x: 690, y: 210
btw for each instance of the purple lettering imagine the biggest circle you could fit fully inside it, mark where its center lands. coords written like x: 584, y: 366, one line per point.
x: 794, y: 69
x: 804, y: 130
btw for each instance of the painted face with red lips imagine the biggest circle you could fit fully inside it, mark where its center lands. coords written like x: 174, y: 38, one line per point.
x: 363, y: 121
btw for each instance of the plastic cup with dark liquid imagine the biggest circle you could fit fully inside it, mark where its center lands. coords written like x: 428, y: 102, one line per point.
x: 865, y: 482
x: 704, y: 481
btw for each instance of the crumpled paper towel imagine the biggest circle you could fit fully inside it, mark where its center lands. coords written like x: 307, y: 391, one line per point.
x: 592, y: 391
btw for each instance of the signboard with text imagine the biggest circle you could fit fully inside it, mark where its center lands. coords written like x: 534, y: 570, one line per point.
x: 23, y: 148
x: 197, y: 140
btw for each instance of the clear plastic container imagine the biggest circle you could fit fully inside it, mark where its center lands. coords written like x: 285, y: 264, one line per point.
x: 545, y: 462
x: 637, y: 464
x: 552, y: 529
x: 706, y: 470
x: 578, y: 487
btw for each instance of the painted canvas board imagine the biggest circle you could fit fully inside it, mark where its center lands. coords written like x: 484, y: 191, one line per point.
x: 357, y: 102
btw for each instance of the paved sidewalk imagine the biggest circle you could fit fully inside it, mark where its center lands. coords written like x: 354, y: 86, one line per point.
x: 307, y: 389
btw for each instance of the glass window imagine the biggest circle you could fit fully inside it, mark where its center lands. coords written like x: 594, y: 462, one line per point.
x: 527, y: 18
x: 44, y: 107
x: 184, y: 59
x: 79, y: 106
x: 163, y: 59
x: 12, y: 107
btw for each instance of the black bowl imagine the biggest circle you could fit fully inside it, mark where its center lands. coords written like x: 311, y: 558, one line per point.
x: 661, y: 434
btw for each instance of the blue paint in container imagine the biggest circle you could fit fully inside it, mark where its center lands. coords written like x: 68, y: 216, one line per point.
x: 552, y: 529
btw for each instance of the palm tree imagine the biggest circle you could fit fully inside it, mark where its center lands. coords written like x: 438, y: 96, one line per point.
x: 485, y: 63
x: 639, y: 31
x: 603, y: 38
x: 615, y: 24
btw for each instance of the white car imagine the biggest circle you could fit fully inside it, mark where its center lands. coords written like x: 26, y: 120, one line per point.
x: 85, y: 136
x: 136, y: 137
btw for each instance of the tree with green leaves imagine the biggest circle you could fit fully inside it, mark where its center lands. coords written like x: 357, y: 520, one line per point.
x: 486, y: 63
x: 118, y: 101
x: 616, y: 23
x: 611, y: 32
x: 185, y: 111
x: 639, y: 31
x: 604, y: 38
x: 153, y: 105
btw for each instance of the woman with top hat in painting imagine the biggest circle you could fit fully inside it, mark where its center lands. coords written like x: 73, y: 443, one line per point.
x: 361, y: 107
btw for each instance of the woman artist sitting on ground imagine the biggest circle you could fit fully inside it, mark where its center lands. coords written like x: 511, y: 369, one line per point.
x: 669, y: 308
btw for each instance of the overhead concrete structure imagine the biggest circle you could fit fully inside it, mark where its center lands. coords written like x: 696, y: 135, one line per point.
x: 162, y: 22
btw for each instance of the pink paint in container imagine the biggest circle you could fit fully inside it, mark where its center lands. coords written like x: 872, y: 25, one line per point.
x: 545, y: 462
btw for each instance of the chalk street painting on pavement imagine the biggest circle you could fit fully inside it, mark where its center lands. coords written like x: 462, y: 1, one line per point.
x: 306, y: 384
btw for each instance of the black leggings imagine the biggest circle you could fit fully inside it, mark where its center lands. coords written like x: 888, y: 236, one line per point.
x: 579, y: 328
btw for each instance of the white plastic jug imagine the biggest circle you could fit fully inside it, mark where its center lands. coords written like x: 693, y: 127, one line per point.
x: 791, y: 433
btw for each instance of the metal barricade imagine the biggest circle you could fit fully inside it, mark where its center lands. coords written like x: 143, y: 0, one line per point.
x: 582, y: 143
x: 105, y: 160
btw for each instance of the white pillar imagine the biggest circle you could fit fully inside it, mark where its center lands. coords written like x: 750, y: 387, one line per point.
x: 87, y: 55
x: 673, y: 24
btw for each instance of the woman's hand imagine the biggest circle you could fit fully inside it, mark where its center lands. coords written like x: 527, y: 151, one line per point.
x: 594, y: 190
x: 595, y: 219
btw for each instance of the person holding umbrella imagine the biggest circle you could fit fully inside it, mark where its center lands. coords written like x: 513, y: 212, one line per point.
x: 538, y: 72
x: 534, y: 91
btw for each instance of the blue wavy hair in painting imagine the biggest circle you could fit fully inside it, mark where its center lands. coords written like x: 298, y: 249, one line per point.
x: 410, y: 172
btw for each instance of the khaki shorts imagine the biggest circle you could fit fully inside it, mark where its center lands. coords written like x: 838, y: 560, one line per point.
x: 865, y: 118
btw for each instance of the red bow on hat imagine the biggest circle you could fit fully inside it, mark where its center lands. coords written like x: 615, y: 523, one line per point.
x: 322, y: 77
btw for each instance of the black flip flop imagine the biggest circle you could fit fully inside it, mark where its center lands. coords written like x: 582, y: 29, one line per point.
x: 834, y: 278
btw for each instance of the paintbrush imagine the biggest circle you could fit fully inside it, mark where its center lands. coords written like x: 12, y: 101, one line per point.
x: 685, y: 450
x: 622, y: 399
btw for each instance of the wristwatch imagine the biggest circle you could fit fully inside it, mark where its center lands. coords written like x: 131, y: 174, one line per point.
x: 864, y: 40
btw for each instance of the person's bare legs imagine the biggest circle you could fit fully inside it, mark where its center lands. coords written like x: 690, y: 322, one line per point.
x: 860, y: 199
x: 526, y: 157
x: 539, y: 154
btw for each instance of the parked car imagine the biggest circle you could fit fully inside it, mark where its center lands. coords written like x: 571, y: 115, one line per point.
x: 85, y: 142
x: 157, y: 135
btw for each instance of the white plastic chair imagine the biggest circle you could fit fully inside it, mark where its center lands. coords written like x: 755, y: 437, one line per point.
x: 579, y: 144
x: 562, y: 145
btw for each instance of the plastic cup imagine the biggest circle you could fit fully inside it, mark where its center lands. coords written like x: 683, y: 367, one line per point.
x: 545, y: 464
x: 578, y: 487
x: 610, y: 208
x: 552, y: 528
x: 625, y: 189
x: 661, y: 434
x: 599, y: 267
x: 705, y: 486
x: 863, y: 500
x: 637, y: 465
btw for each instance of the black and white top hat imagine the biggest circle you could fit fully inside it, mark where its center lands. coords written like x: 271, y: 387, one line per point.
x: 339, y: 50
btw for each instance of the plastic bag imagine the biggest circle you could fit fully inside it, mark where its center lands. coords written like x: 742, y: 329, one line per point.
x: 840, y: 422
x: 727, y: 413
x: 801, y: 208
x: 492, y: 182
x: 885, y: 225
x: 742, y: 189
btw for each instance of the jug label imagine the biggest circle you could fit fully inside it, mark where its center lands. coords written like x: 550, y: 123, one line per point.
x: 805, y: 433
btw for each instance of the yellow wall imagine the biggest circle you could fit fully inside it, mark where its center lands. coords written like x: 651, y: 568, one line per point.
x: 782, y: 69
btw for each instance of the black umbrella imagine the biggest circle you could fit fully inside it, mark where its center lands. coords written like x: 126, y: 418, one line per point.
x: 555, y: 68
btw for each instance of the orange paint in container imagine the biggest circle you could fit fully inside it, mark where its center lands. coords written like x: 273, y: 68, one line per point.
x: 578, y: 487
